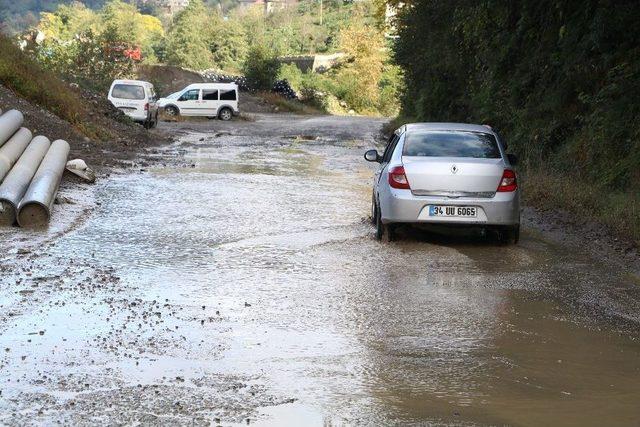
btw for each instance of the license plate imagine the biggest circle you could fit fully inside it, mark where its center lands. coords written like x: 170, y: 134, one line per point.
x: 453, y: 211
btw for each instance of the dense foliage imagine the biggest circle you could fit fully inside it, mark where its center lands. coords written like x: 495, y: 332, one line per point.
x: 560, y: 78
x: 90, y: 47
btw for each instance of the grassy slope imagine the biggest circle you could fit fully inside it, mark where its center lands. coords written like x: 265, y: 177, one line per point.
x: 28, y: 79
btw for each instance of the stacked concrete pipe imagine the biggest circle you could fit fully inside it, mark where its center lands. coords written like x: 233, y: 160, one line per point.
x: 10, y: 122
x: 11, y: 151
x: 30, y: 172
x: 34, y: 210
x: 17, y: 181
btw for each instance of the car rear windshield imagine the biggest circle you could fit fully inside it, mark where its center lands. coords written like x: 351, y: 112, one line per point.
x: 478, y: 145
x: 127, y: 92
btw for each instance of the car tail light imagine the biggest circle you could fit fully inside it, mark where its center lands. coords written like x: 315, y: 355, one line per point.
x: 508, y: 182
x: 146, y: 107
x: 397, y: 178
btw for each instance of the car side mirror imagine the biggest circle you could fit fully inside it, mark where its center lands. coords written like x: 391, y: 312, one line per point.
x: 513, y: 159
x: 372, y: 156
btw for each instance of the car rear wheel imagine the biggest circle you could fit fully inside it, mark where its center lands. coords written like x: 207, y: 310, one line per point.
x: 171, y: 111
x: 225, y: 114
x: 383, y: 231
x: 509, y: 234
x: 373, y: 209
x: 516, y: 234
x: 380, y: 228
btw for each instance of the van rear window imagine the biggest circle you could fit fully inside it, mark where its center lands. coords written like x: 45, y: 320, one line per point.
x: 228, y: 95
x: 451, y: 144
x: 123, y: 91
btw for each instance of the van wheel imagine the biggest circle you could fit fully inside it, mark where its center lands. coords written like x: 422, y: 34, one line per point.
x: 225, y: 114
x: 171, y: 111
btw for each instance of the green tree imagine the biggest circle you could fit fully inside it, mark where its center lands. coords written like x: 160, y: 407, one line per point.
x: 100, y: 59
x: 68, y: 21
x: 143, y: 31
x: 188, y: 41
x: 261, y: 67
x: 360, y: 74
x: 228, y: 45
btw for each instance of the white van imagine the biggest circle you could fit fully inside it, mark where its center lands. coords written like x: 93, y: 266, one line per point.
x: 204, y: 99
x: 137, y: 99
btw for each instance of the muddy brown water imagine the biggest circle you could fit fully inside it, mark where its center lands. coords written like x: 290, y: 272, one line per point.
x: 242, y: 285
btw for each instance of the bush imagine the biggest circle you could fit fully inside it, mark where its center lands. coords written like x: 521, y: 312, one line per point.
x: 391, y: 87
x: 261, y: 67
x: 293, y: 75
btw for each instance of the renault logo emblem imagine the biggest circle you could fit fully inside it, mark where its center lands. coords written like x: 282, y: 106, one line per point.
x: 454, y: 169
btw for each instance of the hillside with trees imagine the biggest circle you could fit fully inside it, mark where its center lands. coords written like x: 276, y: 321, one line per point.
x: 92, y: 46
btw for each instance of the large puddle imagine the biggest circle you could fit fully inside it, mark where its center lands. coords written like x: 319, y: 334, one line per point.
x: 256, y: 269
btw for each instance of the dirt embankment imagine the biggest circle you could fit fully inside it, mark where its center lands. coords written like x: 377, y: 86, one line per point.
x: 121, y: 139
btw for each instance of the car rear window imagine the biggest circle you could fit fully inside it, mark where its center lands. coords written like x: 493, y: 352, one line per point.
x: 478, y: 145
x: 123, y: 91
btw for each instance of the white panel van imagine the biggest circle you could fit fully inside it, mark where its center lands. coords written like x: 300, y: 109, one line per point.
x: 204, y: 99
x: 137, y: 99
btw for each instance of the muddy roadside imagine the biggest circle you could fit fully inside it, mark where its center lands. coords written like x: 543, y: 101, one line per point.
x: 583, y: 235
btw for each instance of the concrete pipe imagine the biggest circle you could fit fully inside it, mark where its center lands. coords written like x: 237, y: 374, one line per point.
x: 35, y: 208
x: 11, y: 151
x: 10, y: 122
x: 17, y: 180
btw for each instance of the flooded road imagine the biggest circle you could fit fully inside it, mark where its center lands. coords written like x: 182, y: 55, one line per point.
x: 240, y: 283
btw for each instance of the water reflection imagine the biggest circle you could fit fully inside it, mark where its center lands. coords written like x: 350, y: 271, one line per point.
x: 429, y: 328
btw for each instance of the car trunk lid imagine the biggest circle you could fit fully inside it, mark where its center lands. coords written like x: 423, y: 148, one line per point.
x: 453, y: 177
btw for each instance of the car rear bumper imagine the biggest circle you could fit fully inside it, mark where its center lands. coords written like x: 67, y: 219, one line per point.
x: 137, y: 116
x: 403, y: 206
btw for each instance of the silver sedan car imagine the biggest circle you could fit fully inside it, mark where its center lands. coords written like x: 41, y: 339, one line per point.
x: 445, y: 173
